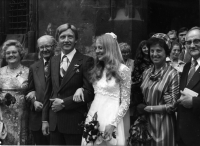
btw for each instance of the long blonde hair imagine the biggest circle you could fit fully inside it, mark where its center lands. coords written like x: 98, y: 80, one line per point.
x: 111, y: 59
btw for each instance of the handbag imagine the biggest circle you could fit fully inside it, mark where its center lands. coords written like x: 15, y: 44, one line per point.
x: 139, y: 133
x: 3, y: 127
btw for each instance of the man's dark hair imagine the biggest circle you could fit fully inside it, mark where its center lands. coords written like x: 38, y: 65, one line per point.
x: 182, y: 29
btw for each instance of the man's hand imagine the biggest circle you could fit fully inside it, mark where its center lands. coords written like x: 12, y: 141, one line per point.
x: 38, y: 106
x: 56, y: 104
x: 185, y: 100
x: 30, y: 95
x: 45, y: 128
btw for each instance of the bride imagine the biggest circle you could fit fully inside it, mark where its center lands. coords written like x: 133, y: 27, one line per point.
x: 111, y: 81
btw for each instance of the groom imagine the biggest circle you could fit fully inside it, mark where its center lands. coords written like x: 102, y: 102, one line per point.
x: 68, y: 71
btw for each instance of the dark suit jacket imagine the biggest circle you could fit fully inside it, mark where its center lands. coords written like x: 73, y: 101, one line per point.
x: 37, y: 83
x: 68, y: 119
x: 188, y: 122
x: 185, y: 57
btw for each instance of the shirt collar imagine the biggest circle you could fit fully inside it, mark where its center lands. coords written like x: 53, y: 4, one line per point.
x: 44, y: 60
x: 198, y: 61
x: 69, y: 55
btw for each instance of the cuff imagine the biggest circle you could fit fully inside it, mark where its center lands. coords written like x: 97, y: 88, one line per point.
x: 33, y: 100
x: 63, y: 104
x: 114, y: 124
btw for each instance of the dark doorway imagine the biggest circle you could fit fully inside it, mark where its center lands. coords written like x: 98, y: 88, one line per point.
x: 165, y: 15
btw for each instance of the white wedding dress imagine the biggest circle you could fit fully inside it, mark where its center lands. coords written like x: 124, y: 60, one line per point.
x: 111, y: 103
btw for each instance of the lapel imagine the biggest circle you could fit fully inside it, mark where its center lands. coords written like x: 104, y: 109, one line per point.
x: 39, y: 70
x: 71, y: 71
x: 195, y: 79
x: 187, y: 57
x: 56, y: 69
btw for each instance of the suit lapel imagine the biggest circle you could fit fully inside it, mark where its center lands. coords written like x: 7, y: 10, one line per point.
x: 184, y: 76
x: 195, y: 79
x: 40, y: 72
x: 71, y: 71
x: 56, y: 69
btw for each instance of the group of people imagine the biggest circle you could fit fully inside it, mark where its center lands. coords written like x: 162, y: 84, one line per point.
x: 168, y: 90
x: 58, y: 92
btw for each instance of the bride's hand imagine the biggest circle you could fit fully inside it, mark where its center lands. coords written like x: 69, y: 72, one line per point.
x: 108, y: 131
x: 78, y: 95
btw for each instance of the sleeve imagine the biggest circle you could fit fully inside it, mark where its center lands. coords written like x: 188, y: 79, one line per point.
x: 87, y: 86
x: 31, y: 84
x: 48, y: 93
x: 125, y: 87
x: 196, y: 105
x: 171, y: 95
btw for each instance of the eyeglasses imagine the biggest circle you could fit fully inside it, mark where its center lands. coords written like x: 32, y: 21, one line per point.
x: 46, y: 46
x: 195, y: 42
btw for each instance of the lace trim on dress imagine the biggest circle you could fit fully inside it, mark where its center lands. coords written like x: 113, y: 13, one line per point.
x: 102, y: 91
x: 125, y: 86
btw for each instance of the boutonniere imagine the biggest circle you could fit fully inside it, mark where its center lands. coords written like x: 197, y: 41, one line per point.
x: 76, y: 68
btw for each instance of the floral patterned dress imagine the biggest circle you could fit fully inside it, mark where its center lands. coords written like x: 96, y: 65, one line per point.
x: 15, y: 116
x: 111, y: 103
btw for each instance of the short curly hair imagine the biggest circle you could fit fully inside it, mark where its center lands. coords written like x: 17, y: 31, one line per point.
x: 15, y: 43
x: 124, y: 46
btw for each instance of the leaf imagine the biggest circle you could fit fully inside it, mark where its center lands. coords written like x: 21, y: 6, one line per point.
x: 95, y: 117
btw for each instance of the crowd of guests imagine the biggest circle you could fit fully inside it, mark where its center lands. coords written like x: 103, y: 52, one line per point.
x: 45, y: 103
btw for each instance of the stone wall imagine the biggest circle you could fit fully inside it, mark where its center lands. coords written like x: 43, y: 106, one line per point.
x: 95, y: 17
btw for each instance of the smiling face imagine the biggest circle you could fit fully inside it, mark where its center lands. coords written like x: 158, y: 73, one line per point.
x: 193, y: 43
x: 157, y: 55
x: 12, y: 55
x: 100, y: 51
x: 67, y: 41
x: 145, y: 50
x: 45, y: 47
x: 175, y: 52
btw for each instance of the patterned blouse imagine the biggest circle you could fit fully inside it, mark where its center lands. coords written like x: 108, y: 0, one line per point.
x: 161, y: 89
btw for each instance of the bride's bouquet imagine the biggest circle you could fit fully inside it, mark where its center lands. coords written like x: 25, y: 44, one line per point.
x: 92, y: 134
x: 8, y: 99
x: 91, y: 130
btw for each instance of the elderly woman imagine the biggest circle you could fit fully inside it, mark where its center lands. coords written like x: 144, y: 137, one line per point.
x: 13, y: 82
x: 174, y: 56
x: 160, y: 87
x: 126, y: 51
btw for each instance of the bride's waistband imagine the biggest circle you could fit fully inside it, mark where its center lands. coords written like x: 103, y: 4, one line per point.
x: 104, y: 94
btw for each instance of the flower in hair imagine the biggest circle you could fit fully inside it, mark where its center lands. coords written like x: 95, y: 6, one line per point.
x: 112, y: 34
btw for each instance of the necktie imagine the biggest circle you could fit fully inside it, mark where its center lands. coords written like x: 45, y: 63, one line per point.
x: 46, y: 66
x: 64, y: 65
x: 192, y: 70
